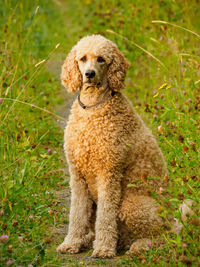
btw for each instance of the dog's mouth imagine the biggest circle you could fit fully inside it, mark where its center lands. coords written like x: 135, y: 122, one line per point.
x: 92, y: 82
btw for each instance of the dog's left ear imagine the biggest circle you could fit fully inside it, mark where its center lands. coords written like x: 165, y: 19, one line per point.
x: 117, y: 70
x: 71, y: 76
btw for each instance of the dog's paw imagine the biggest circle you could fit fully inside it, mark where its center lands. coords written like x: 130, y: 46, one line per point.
x: 66, y: 247
x: 144, y: 244
x: 103, y: 253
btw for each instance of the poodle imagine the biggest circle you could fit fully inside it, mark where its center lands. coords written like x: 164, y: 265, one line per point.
x: 114, y: 161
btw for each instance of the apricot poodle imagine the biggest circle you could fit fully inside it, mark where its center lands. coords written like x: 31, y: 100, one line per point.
x: 114, y: 161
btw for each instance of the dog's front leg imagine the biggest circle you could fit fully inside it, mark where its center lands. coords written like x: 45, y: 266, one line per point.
x: 80, y: 212
x: 109, y: 194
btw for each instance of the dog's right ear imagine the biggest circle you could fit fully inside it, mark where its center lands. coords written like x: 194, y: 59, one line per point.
x: 71, y: 76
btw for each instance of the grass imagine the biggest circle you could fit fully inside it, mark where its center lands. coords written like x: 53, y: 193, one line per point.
x: 161, y: 40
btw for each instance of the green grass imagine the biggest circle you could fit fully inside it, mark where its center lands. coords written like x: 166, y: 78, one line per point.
x: 32, y: 169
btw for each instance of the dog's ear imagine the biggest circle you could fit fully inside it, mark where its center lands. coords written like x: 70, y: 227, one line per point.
x: 71, y: 76
x: 117, y: 70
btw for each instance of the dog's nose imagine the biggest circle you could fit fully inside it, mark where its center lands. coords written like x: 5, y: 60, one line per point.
x: 90, y: 73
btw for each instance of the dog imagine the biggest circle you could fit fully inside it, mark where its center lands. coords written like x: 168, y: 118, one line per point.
x: 114, y: 161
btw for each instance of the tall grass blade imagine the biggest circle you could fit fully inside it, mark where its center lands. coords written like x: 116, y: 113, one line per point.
x: 176, y: 26
x: 138, y: 46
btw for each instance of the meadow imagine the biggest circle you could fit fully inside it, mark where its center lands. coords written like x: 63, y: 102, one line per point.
x: 161, y: 40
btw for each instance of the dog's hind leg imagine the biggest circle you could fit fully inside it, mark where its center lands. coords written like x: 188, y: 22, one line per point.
x: 140, y: 223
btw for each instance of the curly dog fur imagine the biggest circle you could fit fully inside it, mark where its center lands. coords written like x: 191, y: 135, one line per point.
x: 107, y: 148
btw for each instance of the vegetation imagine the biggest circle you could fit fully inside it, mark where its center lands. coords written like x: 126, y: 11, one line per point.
x: 163, y: 84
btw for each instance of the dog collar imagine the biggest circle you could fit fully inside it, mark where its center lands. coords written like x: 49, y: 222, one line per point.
x: 105, y: 99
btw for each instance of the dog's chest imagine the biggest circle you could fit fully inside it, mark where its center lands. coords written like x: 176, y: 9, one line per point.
x: 86, y: 147
x: 86, y: 142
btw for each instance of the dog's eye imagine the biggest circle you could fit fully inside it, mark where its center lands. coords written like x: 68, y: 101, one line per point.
x: 100, y: 59
x: 83, y: 59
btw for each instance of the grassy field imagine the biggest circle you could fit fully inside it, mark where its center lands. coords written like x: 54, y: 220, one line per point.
x: 161, y: 40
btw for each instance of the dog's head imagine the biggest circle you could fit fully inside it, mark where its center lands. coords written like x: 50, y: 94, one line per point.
x: 94, y: 60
